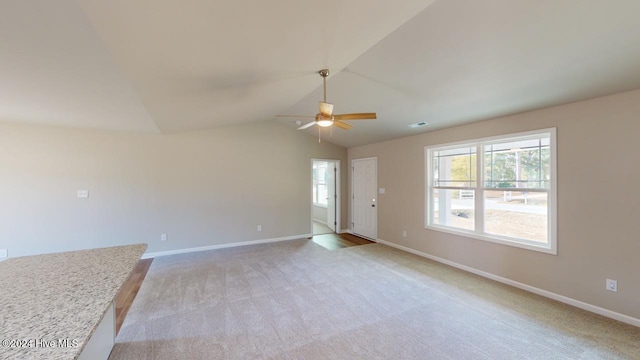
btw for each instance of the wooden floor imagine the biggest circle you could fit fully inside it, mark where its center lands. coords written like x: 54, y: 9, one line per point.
x: 339, y: 241
x: 132, y: 285
x: 130, y: 290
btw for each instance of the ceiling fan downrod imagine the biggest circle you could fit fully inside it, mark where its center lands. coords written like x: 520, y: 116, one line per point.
x: 324, y: 73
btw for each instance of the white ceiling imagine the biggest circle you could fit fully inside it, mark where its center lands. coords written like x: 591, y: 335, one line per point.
x: 55, y: 70
x: 174, y: 66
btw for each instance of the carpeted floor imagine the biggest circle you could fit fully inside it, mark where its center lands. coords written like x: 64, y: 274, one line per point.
x: 297, y: 300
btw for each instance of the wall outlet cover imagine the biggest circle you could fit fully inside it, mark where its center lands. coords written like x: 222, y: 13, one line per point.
x: 4, y: 253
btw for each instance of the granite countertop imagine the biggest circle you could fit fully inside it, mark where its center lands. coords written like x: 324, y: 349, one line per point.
x: 46, y: 298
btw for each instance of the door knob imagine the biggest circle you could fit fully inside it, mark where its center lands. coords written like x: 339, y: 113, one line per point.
x: 373, y: 205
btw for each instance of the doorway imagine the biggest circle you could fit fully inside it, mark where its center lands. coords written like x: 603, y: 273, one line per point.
x: 325, y: 196
x: 364, y: 186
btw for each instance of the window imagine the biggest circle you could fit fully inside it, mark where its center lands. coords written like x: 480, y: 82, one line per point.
x: 320, y: 183
x: 500, y: 189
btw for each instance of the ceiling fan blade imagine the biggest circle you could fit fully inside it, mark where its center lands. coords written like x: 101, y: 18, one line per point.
x: 342, y: 125
x: 356, y: 116
x: 308, y: 125
x: 296, y: 116
x: 326, y: 109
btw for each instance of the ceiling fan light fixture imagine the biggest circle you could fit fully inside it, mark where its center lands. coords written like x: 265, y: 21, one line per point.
x: 324, y: 123
x: 324, y: 120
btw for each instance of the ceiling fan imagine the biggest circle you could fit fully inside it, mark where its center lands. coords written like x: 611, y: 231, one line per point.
x: 325, y: 116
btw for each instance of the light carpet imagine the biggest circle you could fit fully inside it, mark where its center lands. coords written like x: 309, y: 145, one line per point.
x: 297, y: 300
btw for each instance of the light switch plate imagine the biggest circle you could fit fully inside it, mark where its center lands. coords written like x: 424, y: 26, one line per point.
x: 83, y: 193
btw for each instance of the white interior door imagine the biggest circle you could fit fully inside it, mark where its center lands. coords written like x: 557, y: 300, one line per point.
x: 364, y: 189
x: 331, y: 195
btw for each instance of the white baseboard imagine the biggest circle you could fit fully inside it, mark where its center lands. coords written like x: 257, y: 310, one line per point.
x: 548, y: 294
x: 223, y: 246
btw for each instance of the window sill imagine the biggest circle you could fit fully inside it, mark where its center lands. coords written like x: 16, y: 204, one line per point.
x: 543, y: 248
x: 320, y: 205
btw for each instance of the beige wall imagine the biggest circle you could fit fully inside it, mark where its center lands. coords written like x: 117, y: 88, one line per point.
x: 201, y: 188
x: 598, y: 201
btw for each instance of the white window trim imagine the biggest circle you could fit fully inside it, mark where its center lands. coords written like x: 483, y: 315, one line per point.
x: 551, y: 247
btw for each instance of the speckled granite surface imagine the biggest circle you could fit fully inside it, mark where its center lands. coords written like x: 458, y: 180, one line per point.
x: 52, y: 303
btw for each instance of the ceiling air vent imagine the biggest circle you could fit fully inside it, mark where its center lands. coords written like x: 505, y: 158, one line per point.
x: 419, y: 124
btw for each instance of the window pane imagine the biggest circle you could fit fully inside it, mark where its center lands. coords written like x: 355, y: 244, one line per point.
x: 455, y: 167
x: 322, y: 173
x: 517, y: 164
x: 319, y: 182
x: 454, y: 208
x: 516, y: 214
x: 322, y: 194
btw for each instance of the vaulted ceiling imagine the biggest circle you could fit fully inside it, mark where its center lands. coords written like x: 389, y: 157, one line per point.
x: 172, y: 66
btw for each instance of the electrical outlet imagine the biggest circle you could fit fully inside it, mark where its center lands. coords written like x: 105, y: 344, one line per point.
x: 163, y: 237
x: 83, y: 193
x: 404, y: 233
x: 3, y: 253
x: 259, y: 227
x: 612, y: 285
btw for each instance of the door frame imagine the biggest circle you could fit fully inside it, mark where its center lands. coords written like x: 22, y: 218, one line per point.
x: 353, y: 192
x: 338, y: 200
